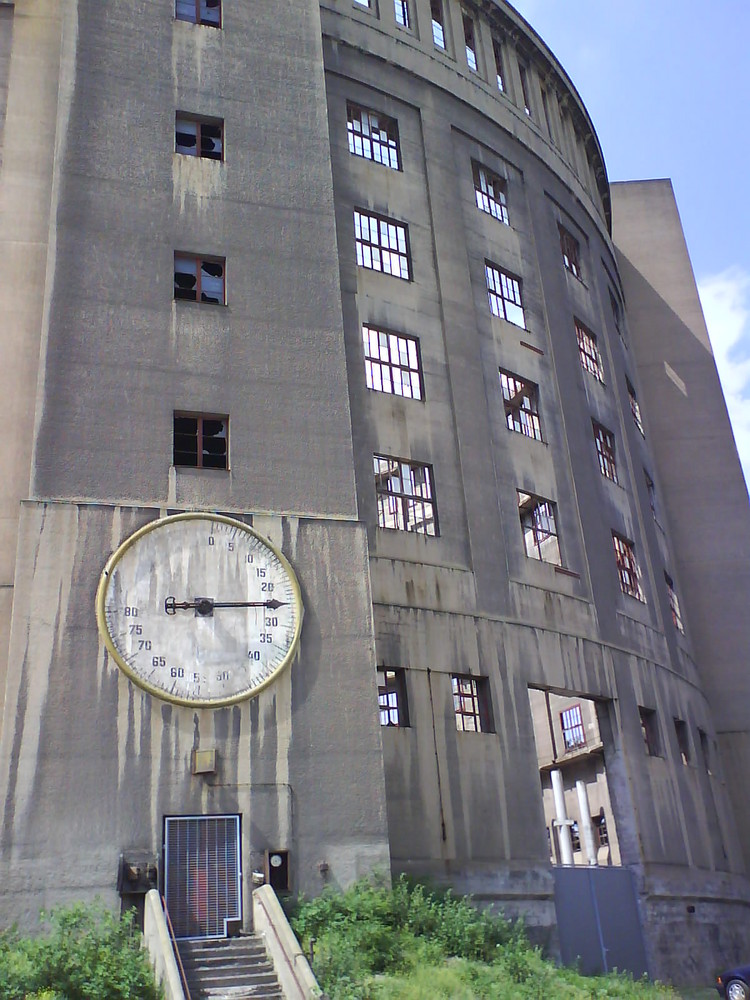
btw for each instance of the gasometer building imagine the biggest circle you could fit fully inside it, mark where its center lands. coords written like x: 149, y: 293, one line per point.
x: 369, y: 500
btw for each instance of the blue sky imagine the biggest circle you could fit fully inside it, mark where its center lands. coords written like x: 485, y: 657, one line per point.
x: 667, y: 84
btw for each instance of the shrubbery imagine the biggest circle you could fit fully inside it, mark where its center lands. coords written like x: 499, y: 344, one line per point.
x: 416, y: 943
x: 87, y: 953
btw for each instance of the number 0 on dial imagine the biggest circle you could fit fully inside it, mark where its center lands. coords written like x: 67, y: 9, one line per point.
x: 199, y: 609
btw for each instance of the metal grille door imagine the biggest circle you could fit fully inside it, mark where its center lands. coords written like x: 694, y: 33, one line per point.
x: 203, y: 876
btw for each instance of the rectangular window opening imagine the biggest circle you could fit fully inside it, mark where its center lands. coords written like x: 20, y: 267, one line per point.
x: 635, y: 408
x: 471, y: 704
x: 470, y: 41
x: 571, y: 721
x: 605, y: 450
x: 521, y: 400
x: 392, y: 702
x: 627, y: 567
x: 571, y: 252
x: 650, y: 731
x: 490, y: 192
x: 206, y: 12
x: 504, y: 292
x: 382, y: 244
x: 683, y: 740
x: 523, y: 73
x: 202, y: 137
x: 201, y: 441
x: 674, y: 604
x: 705, y: 750
x: 588, y: 351
x: 392, y: 363
x: 497, y: 49
x: 199, y: 279
x: 539, y: 527
x: 405, y: 495
x: 438, y: 28
x: 373, y: 136
x: 402, y: 13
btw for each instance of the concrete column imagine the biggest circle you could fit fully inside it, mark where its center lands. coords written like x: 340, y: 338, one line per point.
x: 561, y: 818
x: 585, y: 825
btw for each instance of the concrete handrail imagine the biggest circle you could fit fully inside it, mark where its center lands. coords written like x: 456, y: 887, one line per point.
x: 292, y: 968
x: 159, y: 946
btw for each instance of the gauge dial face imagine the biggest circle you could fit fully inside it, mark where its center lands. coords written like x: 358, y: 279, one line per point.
x: 199, y: 609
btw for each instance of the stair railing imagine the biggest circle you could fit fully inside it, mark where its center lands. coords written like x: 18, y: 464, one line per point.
x: 176, y: 950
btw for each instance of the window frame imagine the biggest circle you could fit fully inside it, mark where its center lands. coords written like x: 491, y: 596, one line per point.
x: 200, y: 418
x: 439, y: 40
x: 628, y: 570
x: 470, y: 40
x: 650, y: 731
x: 376, y: 122
x: 497, y: 52
x: 479, y: 703
x: 498, y: 281
x: 523, y: 74
x: 530, y: 424
x: 604, y: 441
x: 570, y: 249
x: 390, y: 366
x: 635, y: 408
x: 588, y: 351
x: 392, y: 684
x: 531, y: 506
x: 403, y: 6
x: 682, y: 735
x: 200, y: 120
x: 674, y: 604
x: 198, y: 20
x: 573, y: 724
x: 403, y: 256
x: 199, y: 260
x: 398, y: 503
x: 490, y: 191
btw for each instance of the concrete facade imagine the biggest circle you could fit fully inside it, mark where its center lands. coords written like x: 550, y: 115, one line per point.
x: 458, y: 618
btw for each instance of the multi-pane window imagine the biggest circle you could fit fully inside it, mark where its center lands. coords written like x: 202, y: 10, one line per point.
x: 401, y: 8
x: 392, y: 363
x: 199, y: 12
x: 194, y: 136
x: 521, y: 400
x: 683, y: 740
x: 199, y: 279
x: 600, y: 826
x: 605, y: 450
x: 571, y: 252
x: 373, y: 136
x: 525, y: 89
x: 650, y: 731
x: 634, y: 407
x: 674, y: 604
x: 574, y: 735
x: 405, y: 495
x: 438, y: 28
x: 382, y: 244
x: 392, y: 702
x: 588, y: 350
x: 470, y: 41
x: 471, y: 704
x: 627, y: 567
x: 201, y: 441
x: 489, y: 190
x: 539, y: 528
x: 497, y: 49
x: 504, y: 293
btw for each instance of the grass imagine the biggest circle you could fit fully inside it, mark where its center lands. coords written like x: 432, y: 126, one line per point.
x: 411, y: 942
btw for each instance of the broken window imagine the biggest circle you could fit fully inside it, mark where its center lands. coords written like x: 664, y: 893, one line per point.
x: 651, y: 490
x: 471, y: 704
x: 470, y: 41
x: 373, y: 136
x: 438, y: 29
x: 406, y: 501
x: 402, y: 13
x: 591, y: 359
x: 199, y: 279
x: 206, y: 12
x: 650, y: 731
x: 392, y: 363
x: 571, y: 252
x: 634, y: 407
x: 201, y: 441
x: 539, y: 528
x: 674, y: 604
x: 683, y: 740
x: 525, y: 89
x: 392, y: 698
x: 504, y: 293
x: 521, y: 399
x: 605, y: 450
x: 627, y: 567
x: 600, y: 827
x: 497, y: 48
x: 382, y: 244
x: 705, y: 750
x: 574, y: 735
x: 194, y: 136
x: 489, y: 190
x: 617, y: 316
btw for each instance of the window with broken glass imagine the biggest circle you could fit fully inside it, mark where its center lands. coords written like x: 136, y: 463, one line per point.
x: 201, y: 137
x: 504, y: 292
x: 470, y: 42
x: 605, y: 450
x: 402, y: 13
x: 206, y: 12
x: 382, y: 244
x: 489, y: 191
x: 201, y: 441
x: 588, y: 351
x: 199, y: 279
x: 497, y: 49
x: 471, y: 704
x: 392, y: 698
x: 571, y: 721
x: 571, y: 252
x: 635, y: 408
x: 373, y: 136
x: 627, y: 567
x: 438, y: 29
x: 650, y: 731
x: 521, y: 400
x: 405, y: 495
x: 539, y: 528
x: 674, y: 604
x: 392, y: 363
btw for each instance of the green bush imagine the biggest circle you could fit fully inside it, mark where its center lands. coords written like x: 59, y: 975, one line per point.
x: 87, y: 954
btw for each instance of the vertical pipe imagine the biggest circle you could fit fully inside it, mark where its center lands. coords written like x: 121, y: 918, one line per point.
x: 586, y: 826
x: 563, y: 823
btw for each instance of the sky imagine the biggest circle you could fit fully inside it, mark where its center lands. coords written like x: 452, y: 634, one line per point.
x: 667, y: 85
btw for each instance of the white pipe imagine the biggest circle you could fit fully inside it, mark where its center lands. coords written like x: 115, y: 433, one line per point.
x: 562, y: 822
x: 586, y: 826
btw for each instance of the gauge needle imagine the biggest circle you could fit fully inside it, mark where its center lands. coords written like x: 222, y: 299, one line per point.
x: 205, y: 606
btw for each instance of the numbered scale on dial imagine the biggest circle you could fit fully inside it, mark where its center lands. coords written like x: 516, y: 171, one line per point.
x: 199, y: 609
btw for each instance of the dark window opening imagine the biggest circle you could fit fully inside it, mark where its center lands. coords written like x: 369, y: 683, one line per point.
x: 489, y: 191
x: 277, y: 870
x: 574, y: 735
x: 382, y: 244
x: 405, y: 497
x: 438, y: 29
x: 635, y: 408
x: 525, y: 90
x: 471, y: 704
x: 521, y: 400
x: 199, y: 279
x: 674, y: 604
x: 392, y: 703
x: 600, y: 826
x: 497, y: 48
x: 627, y: 567
x: 206, y: 12
x: 199, y: 137
x: 705, y: 750
x: 575, y: 837
x: 201, y: 441
x: 470, y: 42
x: 539, y: 528
x: 373, y: 136
x: 571, y: 252
x: 605, y: 450
x: 392, y: 363
x: 650, y: 731
x: 683, y: 740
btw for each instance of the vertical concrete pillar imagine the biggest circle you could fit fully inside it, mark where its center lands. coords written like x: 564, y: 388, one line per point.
x: 561, y: 818
x: 585, y: 825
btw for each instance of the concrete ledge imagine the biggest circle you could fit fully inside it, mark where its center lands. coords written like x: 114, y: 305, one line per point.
x: 292, y: 968
x: 159, y: 946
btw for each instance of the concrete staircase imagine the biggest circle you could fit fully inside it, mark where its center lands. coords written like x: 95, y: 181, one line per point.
x: 229, y: 969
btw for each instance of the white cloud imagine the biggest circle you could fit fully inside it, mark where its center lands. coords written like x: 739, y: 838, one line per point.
x: 726, y: 306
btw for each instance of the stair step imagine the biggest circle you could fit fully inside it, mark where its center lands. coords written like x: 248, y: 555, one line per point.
x: 229, y: 969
